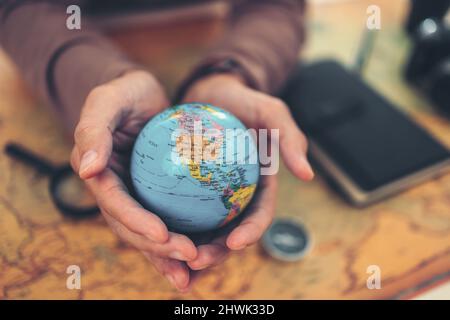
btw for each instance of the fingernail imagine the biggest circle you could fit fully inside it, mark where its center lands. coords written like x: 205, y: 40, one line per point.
x: 242, y: 246
x: 200, y: 267
x: 238, y: 245
x: 86, y: 161
x: 307, y: 166
x: 177, y: 256
x: 157, y: 234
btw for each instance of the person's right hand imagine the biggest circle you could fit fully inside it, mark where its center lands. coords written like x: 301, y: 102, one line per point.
x: 111, y: 118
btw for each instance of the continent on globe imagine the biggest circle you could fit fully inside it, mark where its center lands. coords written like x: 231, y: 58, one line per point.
x: 195, y: 166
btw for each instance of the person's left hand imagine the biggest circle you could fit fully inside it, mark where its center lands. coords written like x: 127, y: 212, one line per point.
x: 259, y: 111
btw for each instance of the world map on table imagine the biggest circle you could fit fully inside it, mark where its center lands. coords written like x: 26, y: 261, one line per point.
x: 407, y: 236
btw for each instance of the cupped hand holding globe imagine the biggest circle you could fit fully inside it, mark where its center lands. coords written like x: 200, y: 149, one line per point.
x: 112, y: 117
x: 259, y: 111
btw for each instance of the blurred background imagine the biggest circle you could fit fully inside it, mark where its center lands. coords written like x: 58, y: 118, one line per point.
x: 407, y: 236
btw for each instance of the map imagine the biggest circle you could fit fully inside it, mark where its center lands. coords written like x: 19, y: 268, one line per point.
x: 407, y: 236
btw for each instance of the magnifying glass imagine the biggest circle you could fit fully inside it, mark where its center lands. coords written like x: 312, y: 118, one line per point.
x: 66, y: 189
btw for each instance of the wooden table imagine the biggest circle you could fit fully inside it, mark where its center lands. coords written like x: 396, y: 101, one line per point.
x: 407, y: 236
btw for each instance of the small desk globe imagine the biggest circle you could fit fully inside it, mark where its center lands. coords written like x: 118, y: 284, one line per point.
x: 190, y: 194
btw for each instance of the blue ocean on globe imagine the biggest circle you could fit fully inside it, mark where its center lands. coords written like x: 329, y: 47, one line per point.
x: 195, y: 166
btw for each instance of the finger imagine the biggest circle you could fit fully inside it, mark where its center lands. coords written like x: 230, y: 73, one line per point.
x: 112, y: 196
x: 175, y: 271
x: 93, y: 134
x: 75, y: 158
x: 210, y: 255
x: 178, y: 247
x: 293, y: 143
x: 259, y: 219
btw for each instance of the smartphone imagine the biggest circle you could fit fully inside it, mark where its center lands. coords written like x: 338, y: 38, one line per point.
x: 364, y: 145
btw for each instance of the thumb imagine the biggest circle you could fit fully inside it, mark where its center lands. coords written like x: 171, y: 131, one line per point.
x: 293, y: 143
x: 93, y: 139
x: 94, y: 146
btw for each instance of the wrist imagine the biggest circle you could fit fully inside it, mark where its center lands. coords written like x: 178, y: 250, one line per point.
x: 214, y: 70
x: 213, y: 80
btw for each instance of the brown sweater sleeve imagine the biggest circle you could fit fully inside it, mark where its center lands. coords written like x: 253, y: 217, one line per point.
x: 264, y: 37
x: 62, y: 65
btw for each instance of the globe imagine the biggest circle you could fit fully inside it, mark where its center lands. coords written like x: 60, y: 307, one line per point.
x: 195, y: 166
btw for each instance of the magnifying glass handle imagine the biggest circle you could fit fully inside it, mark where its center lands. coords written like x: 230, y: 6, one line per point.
x: 20, y: 153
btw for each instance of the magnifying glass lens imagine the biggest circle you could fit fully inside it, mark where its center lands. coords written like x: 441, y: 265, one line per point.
x: 72, y: 190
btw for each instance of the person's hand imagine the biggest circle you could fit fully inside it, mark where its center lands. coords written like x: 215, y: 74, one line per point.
x: 111, y: 118
x: 259, y: 111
